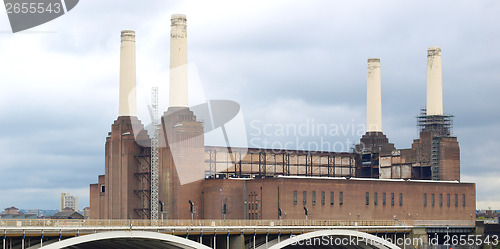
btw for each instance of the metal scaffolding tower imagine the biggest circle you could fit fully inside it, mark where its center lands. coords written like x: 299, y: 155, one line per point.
x: 154, y: 154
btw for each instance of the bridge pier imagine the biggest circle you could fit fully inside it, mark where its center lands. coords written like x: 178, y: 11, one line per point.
x: 237, y: 242
x: 420, y: 234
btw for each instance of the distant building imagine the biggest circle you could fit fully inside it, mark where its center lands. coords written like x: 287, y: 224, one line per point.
x: 13, y: 213
x: 12, y: 210
x: 86, y: 212
x: 68, y: 201
x: 36, y: 212
x: 67, y: 213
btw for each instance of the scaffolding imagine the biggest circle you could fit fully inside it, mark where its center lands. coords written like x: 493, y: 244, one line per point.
x: 142, y: 191
x: 439, y: 125
x: 220, y: 162
x: 154, y: 154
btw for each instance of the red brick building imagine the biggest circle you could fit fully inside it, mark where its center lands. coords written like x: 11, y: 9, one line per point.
x: 374, y: 182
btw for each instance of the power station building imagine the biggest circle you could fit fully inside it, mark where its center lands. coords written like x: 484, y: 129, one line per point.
x: 375, y: 181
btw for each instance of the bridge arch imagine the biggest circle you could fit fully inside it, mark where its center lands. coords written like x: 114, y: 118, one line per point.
x: 99, y: 240
x: 301, y: 240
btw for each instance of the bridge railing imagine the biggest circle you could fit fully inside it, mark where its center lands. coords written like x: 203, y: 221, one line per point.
x: 445, y: 223
x: 225, y: 223
x: 188, y: 223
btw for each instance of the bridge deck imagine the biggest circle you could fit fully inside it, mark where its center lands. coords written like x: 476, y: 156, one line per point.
x: 210, y: 227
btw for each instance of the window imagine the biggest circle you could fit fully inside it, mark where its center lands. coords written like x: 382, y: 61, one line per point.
x: 341, y: 198
x: 463, y: 200
x: 456, y: 200
x: 322, y: 197
x: 375, y: 199
x: 314, y: 198
x: 433, y: 200
x: 304, y: 197
x: 103, y: 188
x: 440, y: 200
x: 294, y: 197
x: 331, y: 198
x: 383, y: 199
x: 392, y: 199
x: 367, y: 198
x: 425, y: 200
x: 448, y: 200
x: 400, y: 199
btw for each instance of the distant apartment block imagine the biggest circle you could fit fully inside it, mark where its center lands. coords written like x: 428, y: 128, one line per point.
x: 68, y: 201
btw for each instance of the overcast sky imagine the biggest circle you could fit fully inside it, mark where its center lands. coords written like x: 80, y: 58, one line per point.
x: 286, y: 63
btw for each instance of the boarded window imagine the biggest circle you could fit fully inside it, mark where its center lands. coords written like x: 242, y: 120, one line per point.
x: 383, y: 199
x: 322, y: 197
x: 314, y: 198
x: 331, y: 198
x: 425, y: 200
x: 375, y: 199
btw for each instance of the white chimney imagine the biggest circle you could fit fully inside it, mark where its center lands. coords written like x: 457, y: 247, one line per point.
x: 178, y: 62
x: 434, y: 82
x: 373, y: 97
x: 127, y: 75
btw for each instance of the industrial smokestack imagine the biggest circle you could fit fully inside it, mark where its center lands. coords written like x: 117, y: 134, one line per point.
x: 373, y: 97
x: 127, y: 75
x: 434, y: 82
x: 178, y: 62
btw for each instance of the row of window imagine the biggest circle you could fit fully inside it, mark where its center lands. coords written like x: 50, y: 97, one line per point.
x: 323, y: 198
x: 384, y: 199
x: 448, y: 200
x: 375, y: 199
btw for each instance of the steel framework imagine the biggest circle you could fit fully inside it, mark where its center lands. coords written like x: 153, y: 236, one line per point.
x: 154, y: 154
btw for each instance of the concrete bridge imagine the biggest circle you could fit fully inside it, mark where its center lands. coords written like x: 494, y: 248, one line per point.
x: 257, y: 234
